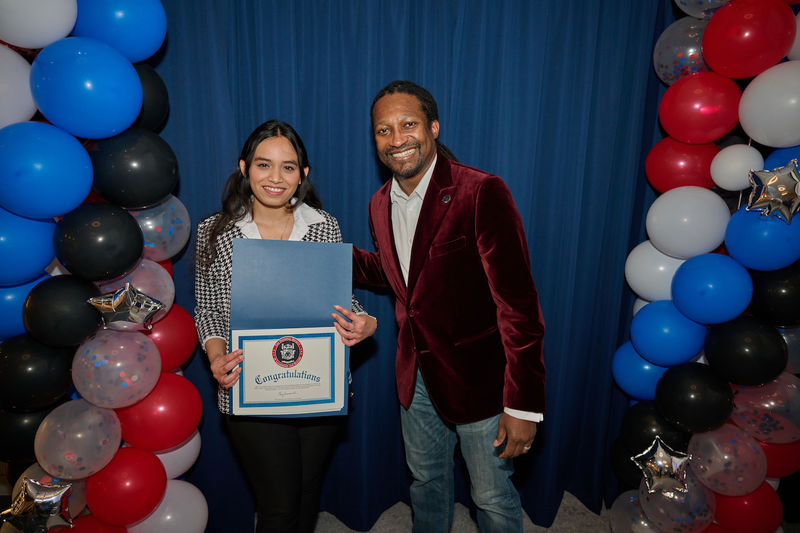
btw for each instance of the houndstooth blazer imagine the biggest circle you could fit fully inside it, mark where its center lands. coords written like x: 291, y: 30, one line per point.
x: 212, y: 287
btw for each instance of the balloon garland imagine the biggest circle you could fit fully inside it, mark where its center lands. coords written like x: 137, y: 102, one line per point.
x: 717, y: 312
x: 87, y: 222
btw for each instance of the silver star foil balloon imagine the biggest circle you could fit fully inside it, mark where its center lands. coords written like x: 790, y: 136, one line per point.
x: 775, y: 191
x: 126, y: 308
x: 38, y: 508
x: 664, y: 469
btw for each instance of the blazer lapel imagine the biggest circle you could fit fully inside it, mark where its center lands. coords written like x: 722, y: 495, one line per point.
x: 438, y: 199
x: 385, y: 237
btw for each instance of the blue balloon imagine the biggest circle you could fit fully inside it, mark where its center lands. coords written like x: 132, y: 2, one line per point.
x: 664, y: 336
x: 11, y: 302
x: 86, y: 87
x: 26, y: 246
x: 44, y: 171
x: 762, y: 242
x: 781, y: 157
x: 711, y: 288
x: 636, y: 376
x: 136, y: 28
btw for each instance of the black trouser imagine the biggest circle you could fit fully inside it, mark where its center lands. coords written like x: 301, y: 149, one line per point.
x: 285, y: 461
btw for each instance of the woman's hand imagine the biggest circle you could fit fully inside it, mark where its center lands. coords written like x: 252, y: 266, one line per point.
x: 353, y: 328
x: 225, y: 368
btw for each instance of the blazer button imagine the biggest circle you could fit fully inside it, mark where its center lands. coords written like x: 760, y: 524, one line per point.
x: 446, y: 199
x: 412, y: 313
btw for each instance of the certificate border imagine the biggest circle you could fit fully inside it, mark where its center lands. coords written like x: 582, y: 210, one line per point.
x: 327, y: 401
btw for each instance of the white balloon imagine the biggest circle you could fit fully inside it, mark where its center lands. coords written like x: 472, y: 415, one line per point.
x: 639, y: 303
x: 794, y: 51
x: 769, y: 110
x: 183, y: 509
x: 36, y: 23
x: 773, y: 482
x: 179, y: 459
x: 731, y: 166
x: 687, y: 221
x: 649, y: 272
x: 16, y: 100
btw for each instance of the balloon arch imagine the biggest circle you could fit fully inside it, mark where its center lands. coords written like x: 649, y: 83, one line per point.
x: 91, y: 391
x: 711, y: 364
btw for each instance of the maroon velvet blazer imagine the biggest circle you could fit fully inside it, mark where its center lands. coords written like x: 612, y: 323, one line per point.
x: 470, y: 316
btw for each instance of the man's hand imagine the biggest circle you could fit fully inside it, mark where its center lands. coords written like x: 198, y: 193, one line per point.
x: 518, y: 435
x: 352, y: 327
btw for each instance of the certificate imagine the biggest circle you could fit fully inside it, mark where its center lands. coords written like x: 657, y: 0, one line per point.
x: 282, y: 297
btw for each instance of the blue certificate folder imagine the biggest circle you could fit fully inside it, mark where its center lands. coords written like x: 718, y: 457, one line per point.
x: 282, y: 297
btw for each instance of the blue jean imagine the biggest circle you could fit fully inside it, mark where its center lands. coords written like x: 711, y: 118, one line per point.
x: 430, y: 445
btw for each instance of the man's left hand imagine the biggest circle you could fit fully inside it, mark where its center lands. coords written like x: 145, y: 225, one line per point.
x: 518, y: 435
x: 353, y: 328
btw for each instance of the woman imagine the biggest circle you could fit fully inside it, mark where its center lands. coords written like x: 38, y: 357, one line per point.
x: 270, y: 196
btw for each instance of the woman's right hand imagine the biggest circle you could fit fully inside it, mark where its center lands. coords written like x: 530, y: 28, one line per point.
x: 225, y: 368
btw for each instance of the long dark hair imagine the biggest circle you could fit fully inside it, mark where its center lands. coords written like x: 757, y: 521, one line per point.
x: 237, y: 197
x: 426, y: 101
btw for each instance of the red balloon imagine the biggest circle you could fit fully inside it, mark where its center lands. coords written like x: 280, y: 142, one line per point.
x: 746, y: 37
x: 700, y: 108
x: 783, y: 459
x: 89, y: 524
x: 175, y: 337
x: 128, y: 489
x: 671, y: 164
x: 164, y: 418
x: 759, y: 511
x: 167, y: 264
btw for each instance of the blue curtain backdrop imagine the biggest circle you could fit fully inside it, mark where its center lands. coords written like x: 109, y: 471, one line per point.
x: 557, y: 97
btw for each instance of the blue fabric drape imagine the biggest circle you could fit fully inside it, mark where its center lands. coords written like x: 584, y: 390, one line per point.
x: 557, y: 97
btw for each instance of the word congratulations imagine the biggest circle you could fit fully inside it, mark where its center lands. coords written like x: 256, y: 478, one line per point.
x: 274, y: 378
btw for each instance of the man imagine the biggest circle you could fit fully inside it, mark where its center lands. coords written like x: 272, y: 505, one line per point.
x: 449, y: 242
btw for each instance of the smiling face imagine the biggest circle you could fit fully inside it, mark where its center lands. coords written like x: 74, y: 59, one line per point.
x: 274, y: 173
x: 406, y: 143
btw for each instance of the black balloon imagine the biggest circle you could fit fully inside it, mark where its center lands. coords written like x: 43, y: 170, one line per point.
x: 628, y: 474
x: 155, y: 103
x: 33, y: 375
x: 98, y: 241
x: 746, y: 351
x: 642, y: 423
x: 134, y: 169
x: 693, y: 397
x: 56, y: 311
x: 776, y: 295
x: 17, y: 432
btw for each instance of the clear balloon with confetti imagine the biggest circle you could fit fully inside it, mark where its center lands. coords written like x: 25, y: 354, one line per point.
x: 166, y: 228
x: 116, y: 368
x: 678, y: 51
x: 77, y: 439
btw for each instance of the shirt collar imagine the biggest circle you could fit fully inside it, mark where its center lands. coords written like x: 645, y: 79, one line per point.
x: 304, y: 216
x: 422, y: 187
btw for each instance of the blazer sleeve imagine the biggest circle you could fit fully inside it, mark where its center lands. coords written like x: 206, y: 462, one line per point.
x: 212, y: 312
x: 367, y: 266
x: 504, y: 254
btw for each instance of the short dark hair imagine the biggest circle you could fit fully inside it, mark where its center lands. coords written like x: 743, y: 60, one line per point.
x: 425, y: 98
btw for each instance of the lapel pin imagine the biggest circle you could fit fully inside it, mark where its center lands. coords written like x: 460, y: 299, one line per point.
x: 446, y: 199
